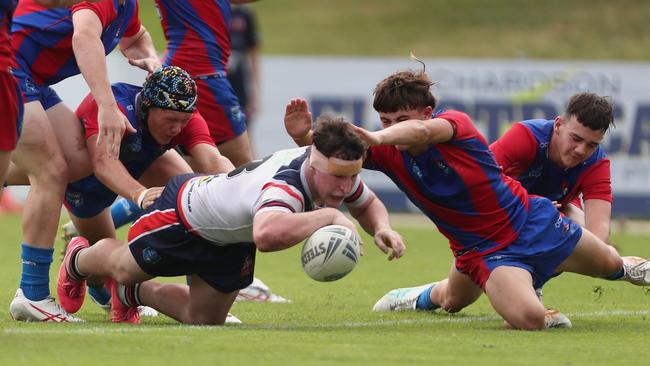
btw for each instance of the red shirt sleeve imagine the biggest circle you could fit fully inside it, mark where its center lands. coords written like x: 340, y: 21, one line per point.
x: 105, y: 10
x: 196, y: 132
x: 515, y: 150
x: 596, y: 182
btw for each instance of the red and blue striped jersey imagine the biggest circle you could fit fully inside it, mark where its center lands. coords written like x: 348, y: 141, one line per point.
x: 197, y: 34
x: 523, y: 154
x: 6, y: 52
x: 42, y: 37
x: 460, y: 187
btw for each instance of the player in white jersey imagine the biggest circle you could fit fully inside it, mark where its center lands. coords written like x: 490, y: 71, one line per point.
x: 209, y: 226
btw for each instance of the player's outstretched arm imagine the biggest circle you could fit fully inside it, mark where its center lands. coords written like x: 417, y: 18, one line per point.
x: 89, y: 53
x: 409, y: 133
x: 374, y: 219
x: 277, y: 230
x: 140, y: 52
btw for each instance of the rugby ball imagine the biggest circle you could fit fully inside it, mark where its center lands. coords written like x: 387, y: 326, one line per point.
x: 330, y: 253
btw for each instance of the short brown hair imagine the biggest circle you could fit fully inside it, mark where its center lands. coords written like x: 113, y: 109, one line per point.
x: 334, y: 137
x: 591, y: 110
x: 402, y: 91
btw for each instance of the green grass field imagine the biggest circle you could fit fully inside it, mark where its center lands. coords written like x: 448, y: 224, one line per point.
x: 331, y: 323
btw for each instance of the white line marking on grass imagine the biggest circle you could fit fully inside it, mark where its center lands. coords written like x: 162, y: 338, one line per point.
x: 174, y: 327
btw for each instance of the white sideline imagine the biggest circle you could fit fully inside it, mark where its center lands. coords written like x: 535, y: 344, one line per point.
x: 146, y: 329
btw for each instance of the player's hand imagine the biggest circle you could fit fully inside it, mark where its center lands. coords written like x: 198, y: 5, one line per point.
x: 151, y: 195
x: 370, y: 138
x: 149, y: 64
x: 557, y: 204
x: 112, y: 124
x: 341, y: 219
x: 386, y: 239
x: 297, y: 119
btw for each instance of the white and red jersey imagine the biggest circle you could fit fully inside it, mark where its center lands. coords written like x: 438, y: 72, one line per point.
x: 221, y: 208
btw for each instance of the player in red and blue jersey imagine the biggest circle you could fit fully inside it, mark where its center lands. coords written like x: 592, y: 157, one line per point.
x: 505, y: 242
x: 563, y: 160
x: 198, y: 41
x: 51, y: 45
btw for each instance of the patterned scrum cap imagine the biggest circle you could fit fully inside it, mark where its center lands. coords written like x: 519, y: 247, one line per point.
x: 168, y: 88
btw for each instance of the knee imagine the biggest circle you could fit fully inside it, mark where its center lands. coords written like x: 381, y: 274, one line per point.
x: 53, y: 174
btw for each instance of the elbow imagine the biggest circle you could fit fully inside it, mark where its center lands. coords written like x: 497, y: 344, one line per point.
x: 422, y: 133
x: 265, y: 239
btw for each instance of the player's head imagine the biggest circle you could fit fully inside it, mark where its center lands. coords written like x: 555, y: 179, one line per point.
x: 402, y: 96
x: 335, y: 159
x: 581, y: 129
x: 166, y: 102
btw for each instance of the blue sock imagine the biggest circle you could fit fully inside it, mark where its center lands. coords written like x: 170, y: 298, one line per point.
x: 35, y: 277
x: 123, y: 211
x: 617, y: 275
x: 424, y: 300
x: 99, y: 293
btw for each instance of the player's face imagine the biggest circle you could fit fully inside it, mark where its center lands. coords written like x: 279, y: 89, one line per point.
x: 393, y: 118
x: 575, y: 142
x: 164, y: 124
x: 332, y: 189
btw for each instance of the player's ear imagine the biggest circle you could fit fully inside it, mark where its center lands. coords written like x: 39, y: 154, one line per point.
x: 428, y: 112
x: 558, y: 121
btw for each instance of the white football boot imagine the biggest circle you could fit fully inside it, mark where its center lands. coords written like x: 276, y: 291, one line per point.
x: 637, y: 271
x: 400, y: 298
x: 46, y: 310
x: 259, y: 291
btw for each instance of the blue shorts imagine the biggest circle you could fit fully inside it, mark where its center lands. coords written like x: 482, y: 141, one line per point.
x: 162, y: 246
x: 220, y: 107
x: 545, y: 241
x: 87, y: 199
x: 32, y: 92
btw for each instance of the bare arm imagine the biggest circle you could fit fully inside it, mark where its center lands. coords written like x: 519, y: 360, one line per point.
x: 373, y: 217
x: 89, y: 53
x: 275, y: 230
x: 140, y: 52
x: 114, y: 175
x: 597, y: 218
x: 207, y: 159
x: 411, y: 132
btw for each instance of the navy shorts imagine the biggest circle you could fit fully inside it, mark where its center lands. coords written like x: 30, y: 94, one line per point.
x: 545, y: 241
x: 162, y: 246
x: 32, y: 92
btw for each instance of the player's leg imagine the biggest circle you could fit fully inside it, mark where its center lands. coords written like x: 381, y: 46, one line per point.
x: 198, y: 303
x: 511, y: 293
x: 452, y: 294
x: 72, y: 139
x: 456, y: 292
x: 592, y: 257
x: 39, y: 154
x: 226, y: 121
